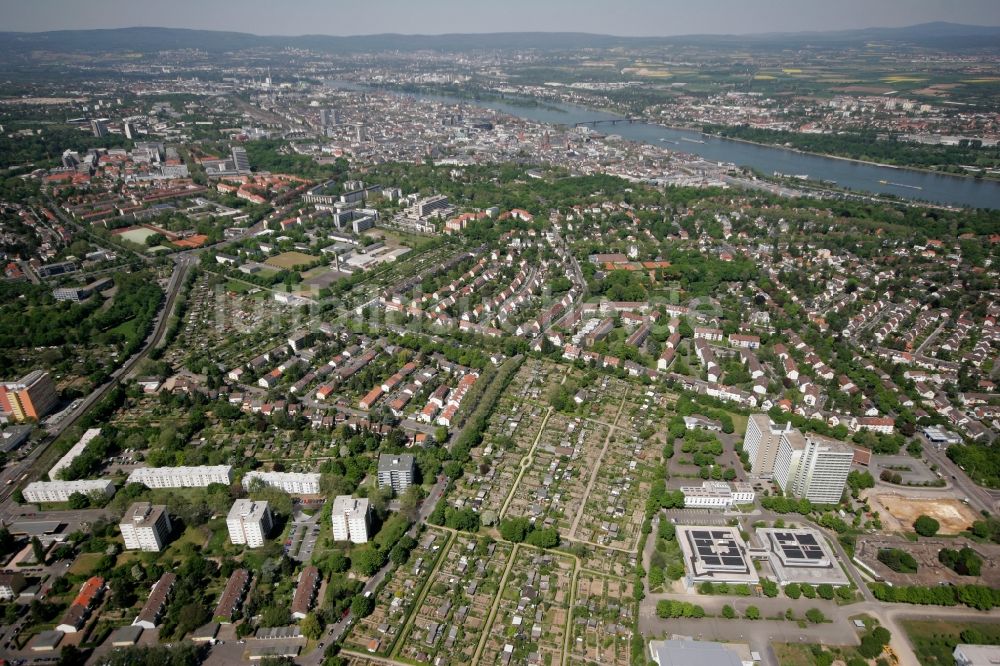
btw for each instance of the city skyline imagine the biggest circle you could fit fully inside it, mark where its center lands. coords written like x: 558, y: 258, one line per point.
x: 631, y: 18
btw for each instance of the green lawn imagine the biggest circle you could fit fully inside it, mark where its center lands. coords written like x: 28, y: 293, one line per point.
x: 934, y: 641
x: 126, y: 329
x: 192, y: 535
x: 84, y: 563
x: 238, y: 286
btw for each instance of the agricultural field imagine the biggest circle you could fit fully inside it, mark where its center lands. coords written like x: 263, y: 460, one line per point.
x: 512, y: 432
x: 554, y: 483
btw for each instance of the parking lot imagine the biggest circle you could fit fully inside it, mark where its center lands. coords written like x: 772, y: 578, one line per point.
x: 912, y: 470
x: 302, y: 536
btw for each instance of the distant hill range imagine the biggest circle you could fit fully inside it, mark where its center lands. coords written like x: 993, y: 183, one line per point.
x: 948, y: 36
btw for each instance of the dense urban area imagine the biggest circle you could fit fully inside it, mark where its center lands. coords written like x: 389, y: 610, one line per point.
x: 312, y: 353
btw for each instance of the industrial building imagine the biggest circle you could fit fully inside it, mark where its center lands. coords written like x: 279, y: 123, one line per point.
x: 717, y: 495
x: 800, y: 556
x: 687, y: 652
x: 976, y: 655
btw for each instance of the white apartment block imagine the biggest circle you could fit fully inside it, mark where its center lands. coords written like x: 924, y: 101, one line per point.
x: 249, y: 523
x: 182, y: 477
x: 73, y: 453
x: 396, y: 471
x: 761, y: 443
x: 351, y: 519
x: 59, y: 491
x: 293, y: 483
x: 822, y: 470
x: 145, y: 527
x: 717, y: 495
x: 786, y: 465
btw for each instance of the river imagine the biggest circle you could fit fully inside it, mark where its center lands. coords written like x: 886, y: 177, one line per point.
x: 857, y: 176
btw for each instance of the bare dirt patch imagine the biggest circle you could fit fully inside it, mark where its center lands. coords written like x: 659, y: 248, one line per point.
x: 954, y: 516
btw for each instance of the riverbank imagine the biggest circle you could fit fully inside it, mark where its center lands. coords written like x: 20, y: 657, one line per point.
x: 853, y: 175
x: 843, y: 158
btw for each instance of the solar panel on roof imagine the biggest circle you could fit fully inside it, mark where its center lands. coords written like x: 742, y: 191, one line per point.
x: 807, y: 539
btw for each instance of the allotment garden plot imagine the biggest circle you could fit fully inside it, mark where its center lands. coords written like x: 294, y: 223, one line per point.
x: 379, y: 632
x: 601, y: 622
x: 613, y: 511
x: 532, y: 611
x: 449, y: 621
x: 554, y: 483
x: 496, y: 463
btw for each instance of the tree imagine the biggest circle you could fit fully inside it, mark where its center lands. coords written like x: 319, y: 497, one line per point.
x: 409, y: 503
x: 335, y: 562
x: 964, y: 562
x: 544, y: 538
x: 274, y: 616
x: 728, y: 612
x: 71, y: 655
x: 898, y: 560
x: 362, y: 606
x: 466, y: 519
x: 311, y: 627
x: 793, y: 591
x: 926, y: 526
x: 367, y: 561
x: 78, y: 501
x: 515, y: 529
x: 7, y: 542
x: 825, y: 591
x: 815, y: 616
x: 752, y: 613
x: 870, y: 647
x: 37, y: 550
x: 769, y: 587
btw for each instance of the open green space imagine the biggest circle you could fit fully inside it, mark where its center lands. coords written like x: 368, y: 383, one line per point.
x: 934, y: 641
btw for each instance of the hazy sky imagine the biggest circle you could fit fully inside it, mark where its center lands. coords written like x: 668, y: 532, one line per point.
x: 620, y: 17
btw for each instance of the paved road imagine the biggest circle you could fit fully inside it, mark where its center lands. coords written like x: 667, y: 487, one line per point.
x: 979, y: 498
